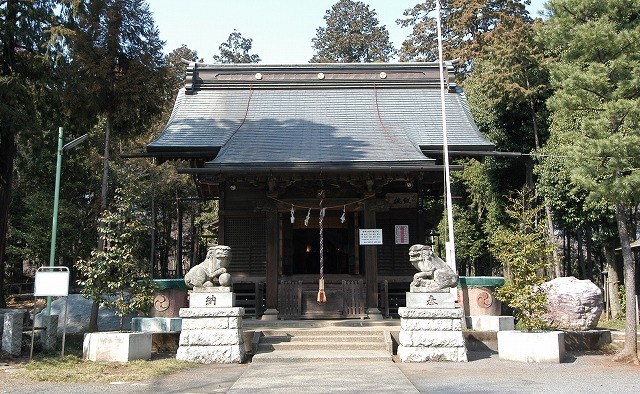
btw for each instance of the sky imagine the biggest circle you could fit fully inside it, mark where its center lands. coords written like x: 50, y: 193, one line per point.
x: 281, y: 30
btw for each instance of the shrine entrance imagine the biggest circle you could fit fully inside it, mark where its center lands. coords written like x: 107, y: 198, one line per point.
x: 344, y: 284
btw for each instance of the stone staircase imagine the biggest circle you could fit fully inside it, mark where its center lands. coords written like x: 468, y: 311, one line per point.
x: 321, y: 344
x: 617, y: 339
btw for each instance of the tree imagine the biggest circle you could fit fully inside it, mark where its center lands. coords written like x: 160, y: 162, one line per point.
x: 23, y: 63
x: 115, y: 276
x: 467, y: 28
x: 511, y: 81
x: 177, y: 69
x: 474, y: 216
x: 117, y: 53
x: 352, y: 35
x: 596, y: 106
x: 523, y: 246
x: 236, y: 50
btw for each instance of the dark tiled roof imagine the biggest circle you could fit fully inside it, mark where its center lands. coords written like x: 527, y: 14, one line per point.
x: 349, y: 115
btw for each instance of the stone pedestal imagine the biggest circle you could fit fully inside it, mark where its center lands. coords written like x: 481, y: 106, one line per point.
x: 212, y: 333
x: 12, y: 333
x: 431, y: 329
x: 49, y: 337
x: 531, y: 347
x: 116, y: 346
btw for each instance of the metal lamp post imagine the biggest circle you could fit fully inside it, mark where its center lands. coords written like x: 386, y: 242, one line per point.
x: 56, y: 199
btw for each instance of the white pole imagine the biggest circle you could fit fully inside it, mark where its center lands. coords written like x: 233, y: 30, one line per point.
x: 451, y: 249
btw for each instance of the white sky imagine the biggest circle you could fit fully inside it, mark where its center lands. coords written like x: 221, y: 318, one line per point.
x: 281, y: 29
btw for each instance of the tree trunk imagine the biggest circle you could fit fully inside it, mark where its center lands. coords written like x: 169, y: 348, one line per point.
x: 93, y: 320
x: 556, y: 263
x: 179, y: 242
x: 152, y: 257
x: 583, y: 266
x: 613, y: 282
x: 630, y: 350
x: 589, y: 260
x: 7, y: 154
x: 567, y: 254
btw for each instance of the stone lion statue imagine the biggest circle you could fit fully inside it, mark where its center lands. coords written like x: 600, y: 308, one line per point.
x: 213, y: 267
x: 434, y: 275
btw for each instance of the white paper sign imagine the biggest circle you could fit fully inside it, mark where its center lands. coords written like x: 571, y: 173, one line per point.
x: 402, y: 234
x: 371, y: 236
x: 51, y: 283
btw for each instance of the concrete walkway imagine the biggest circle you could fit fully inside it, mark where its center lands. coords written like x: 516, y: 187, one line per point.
x: 484, y: 373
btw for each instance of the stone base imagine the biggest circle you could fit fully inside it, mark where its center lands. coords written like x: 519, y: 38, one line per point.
x: 211, y: 335
x: 12, y: 332
x: 532, y: 347
x: 374, y: 314
x: 490, y: 323
x: 116, y: 346
x: 270, y: 314
x: 156, y: 324
x: 222, y: 354
x: 431, y: 334
x: 217, y: 299
x: 430, y: 300
x: 410, y: 354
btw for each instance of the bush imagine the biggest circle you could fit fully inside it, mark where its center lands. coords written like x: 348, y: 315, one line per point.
x: 523, y: 247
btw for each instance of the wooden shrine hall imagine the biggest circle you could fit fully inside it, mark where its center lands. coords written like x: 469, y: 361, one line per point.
x: 354, y: 150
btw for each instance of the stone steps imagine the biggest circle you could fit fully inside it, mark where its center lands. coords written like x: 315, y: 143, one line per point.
x: 291, y: 345
x: 618, y: 337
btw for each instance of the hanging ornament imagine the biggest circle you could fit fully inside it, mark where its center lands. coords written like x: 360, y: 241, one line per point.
x: 293, y: 218
x: 344, y: 214
x: 306, y: 220
x: 322, y: 297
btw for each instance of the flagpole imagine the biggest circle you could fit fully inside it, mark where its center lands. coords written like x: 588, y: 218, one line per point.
x: 450, y: 249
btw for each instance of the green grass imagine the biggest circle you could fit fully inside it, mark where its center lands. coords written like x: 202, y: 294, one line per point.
x: 50, y: 368
x: 613, y: 324
x: 74, y: 369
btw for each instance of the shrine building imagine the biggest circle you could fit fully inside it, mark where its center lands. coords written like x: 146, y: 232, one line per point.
x: 277, y: 145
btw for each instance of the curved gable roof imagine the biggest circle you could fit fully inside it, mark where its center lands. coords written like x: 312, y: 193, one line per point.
x: 336, y: 115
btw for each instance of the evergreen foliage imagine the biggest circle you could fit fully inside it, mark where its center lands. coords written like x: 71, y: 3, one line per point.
x: 521, y: 244
x: 596, y: 108
x: 24, y: 68
x: 468, y: 29
x: 236, y: 50
x: 352, y: 35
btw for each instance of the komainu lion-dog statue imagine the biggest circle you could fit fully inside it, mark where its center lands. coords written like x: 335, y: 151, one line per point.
x: 214, y: 267
x: 434, y: 275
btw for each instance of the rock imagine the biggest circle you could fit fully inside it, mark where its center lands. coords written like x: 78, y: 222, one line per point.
x: 573, y: 304
x: 79, y: 314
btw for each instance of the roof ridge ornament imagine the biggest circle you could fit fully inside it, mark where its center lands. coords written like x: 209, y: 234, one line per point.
x: 189, y: 80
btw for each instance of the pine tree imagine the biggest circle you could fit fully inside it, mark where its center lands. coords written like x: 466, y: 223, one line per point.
x: 596, y: 107
x: 352, y: 35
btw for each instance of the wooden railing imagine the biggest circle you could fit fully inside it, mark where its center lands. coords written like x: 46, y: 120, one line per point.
x: 354, y: 295
x: 250, y: 296
x: 290, y: 299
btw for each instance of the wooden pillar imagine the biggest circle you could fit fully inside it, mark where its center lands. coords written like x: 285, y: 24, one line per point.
x: 179, y: 273
x: 371, y: 264
x: 271, y: 238
x: 222, y: 206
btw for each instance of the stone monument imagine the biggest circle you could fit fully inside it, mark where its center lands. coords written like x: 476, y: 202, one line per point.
x: 212, y: 324
x: 431, y: 324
